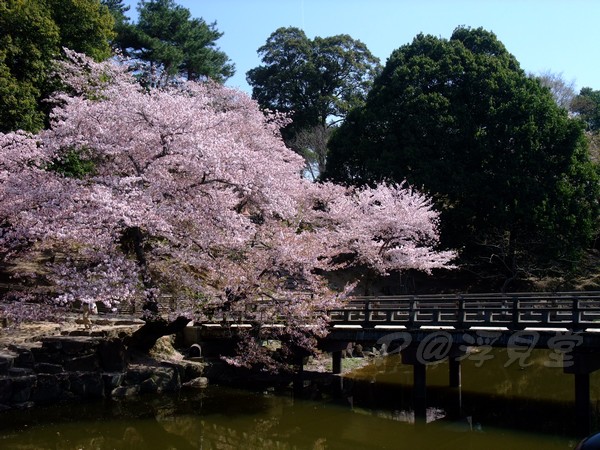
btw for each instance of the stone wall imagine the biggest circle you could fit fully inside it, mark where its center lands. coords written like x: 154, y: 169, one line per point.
x: 67, y: 368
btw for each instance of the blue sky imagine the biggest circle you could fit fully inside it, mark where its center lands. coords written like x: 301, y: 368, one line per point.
x: 562, y: 36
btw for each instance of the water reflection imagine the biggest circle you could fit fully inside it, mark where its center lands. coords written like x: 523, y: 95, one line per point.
x: 229, y: 419
x: 525, y: 406
x: 529, y: 396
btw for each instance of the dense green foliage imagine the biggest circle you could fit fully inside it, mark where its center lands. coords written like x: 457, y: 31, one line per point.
x: 118, y: 10
x: 168, y: 42
x: 313, y: 80
x: 86, y: 26
x: 32, y: 34
x: 587, y: 106
x: 507, y: 166
x: 28, y: 39
x: 73, y: 164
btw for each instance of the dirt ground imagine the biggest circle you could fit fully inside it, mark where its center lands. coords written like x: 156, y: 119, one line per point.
x: 32, y: 332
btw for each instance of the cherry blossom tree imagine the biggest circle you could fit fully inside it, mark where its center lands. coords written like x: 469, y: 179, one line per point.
x: 190, y: 192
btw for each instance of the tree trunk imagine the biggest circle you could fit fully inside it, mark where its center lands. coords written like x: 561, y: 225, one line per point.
x: 144, y: 338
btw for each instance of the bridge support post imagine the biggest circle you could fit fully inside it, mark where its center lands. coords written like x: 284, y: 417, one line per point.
x: 581, y: 364
x: 583, y: 414
x: 298, y: 383
x: 336, y: 359
x: 410, y: 356
x: 454, y: 377
x: 413, y: 356
x: 420, y: 392
x: 455, y: 384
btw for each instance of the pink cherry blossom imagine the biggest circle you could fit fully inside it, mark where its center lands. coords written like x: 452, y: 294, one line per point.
x: 193, y: 196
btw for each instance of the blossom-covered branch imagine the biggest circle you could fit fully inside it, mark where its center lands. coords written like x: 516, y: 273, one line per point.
x: 191, y: 192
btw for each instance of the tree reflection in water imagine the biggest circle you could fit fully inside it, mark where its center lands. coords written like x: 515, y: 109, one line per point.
x: 225, y: 419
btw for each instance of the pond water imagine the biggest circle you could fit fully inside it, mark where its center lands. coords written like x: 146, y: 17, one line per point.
x: 499, y: 407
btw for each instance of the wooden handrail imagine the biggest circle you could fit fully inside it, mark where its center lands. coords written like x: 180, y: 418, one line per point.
x: 571, y: 310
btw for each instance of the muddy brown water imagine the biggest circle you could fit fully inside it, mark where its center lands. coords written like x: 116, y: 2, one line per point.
x: 523, y: 405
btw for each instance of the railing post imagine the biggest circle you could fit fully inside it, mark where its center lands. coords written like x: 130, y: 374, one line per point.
x: 515, y: 312
x: 367, y: 313
x: 461, y: 311
x: 576, y: 311
x: 412, y: 312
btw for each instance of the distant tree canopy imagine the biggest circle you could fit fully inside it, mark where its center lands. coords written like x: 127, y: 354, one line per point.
x: 562, y: 90
x: 315, y: 80
x: 507, y: 167
x: 118, y: 10
x: 32, y: 34
x: 168, y: 42
x: 587, y: 106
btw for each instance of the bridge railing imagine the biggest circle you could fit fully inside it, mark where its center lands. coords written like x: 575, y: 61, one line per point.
x: 571, y: 310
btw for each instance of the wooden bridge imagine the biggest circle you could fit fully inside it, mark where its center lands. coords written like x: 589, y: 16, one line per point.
x: 435, y: 327
x: 447, y: 326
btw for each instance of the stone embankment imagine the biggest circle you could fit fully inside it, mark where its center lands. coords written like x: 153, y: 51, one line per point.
x: 85, y: 365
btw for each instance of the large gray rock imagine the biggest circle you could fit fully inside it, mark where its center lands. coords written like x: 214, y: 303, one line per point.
x: 24, y: 405
x: 66, y: 367
x: 179, y: 368
x: 6, y: 362
x: 196, y: 383
x: 113, y: 355
x: 84, y: 363
x: 44, y: 355
x: 19, y: 371
x: 149, y: 386
x: 87, y: 384
x: 48, y: 368
x: 5, y: 389
x: 188, y: 370
x: 71, y: 345
x: 163, y: 379
x: 112, y: 380
x: 50, y: 388
x: 137, y: 374
x: 24, y: 356
x: 22, y: 388
x: 125, y: 392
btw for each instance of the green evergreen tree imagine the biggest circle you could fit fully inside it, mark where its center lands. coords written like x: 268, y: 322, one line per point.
x: 167, y: 42
x: 587, y: 106
x: 317, y: 81
x: 507, y: 167
x: 32, y: 34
